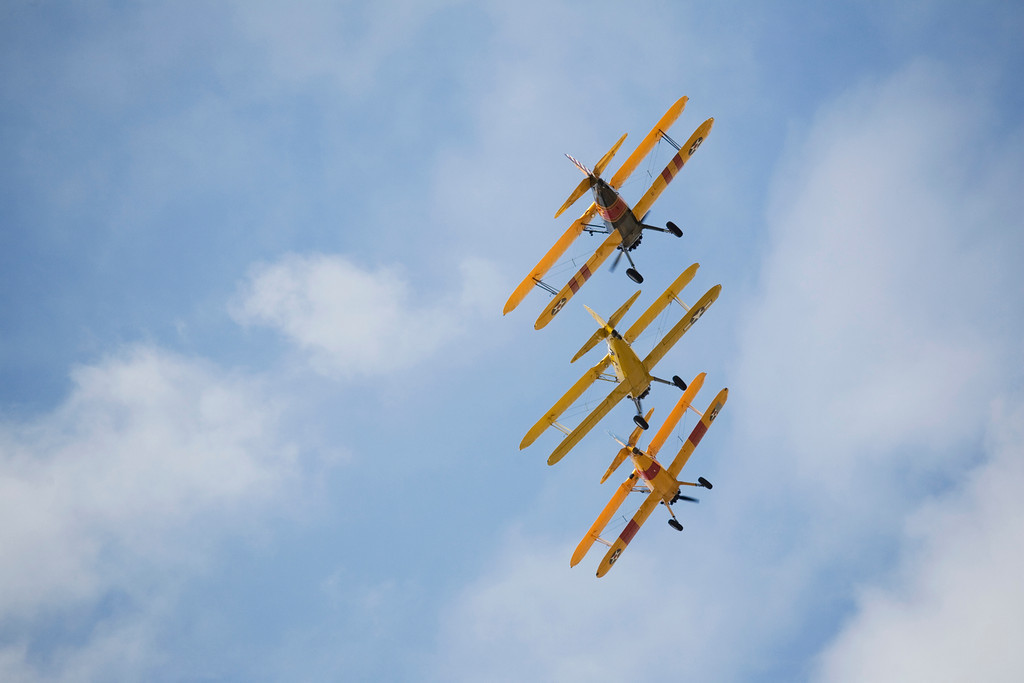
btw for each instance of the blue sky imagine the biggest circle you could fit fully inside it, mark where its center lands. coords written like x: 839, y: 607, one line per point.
x: 260, y: 412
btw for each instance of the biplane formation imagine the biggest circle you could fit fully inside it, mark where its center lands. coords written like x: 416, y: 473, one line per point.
x: 630, y: 373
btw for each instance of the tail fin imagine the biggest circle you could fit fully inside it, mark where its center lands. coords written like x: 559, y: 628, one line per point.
x: 586, y: 182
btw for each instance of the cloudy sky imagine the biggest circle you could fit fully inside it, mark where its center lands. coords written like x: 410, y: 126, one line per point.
x: 260, y: 411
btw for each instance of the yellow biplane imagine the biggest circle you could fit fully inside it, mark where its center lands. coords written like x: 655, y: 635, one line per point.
x: 632, y: 375
x: 622, y: 224
x: 659, y: 483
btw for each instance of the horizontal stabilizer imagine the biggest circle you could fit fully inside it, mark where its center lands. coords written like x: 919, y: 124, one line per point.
x: 620, y: 457
x: 576, y: 194
x: 608, y: 156
x: 602, y: 332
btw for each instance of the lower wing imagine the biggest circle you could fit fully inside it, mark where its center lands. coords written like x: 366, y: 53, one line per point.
x: 588, y: 423
x: 575, y: 391
x: 698, y: 433
x: 589, y: 268
x: 680, y: 328
x: 549, y: 259
x: 602, y: 520
x: 646, y: 508
x: 675, y: 165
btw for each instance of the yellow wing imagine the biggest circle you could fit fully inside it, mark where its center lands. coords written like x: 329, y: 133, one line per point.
x: 567, y: 400
x: 549, y: 259
x: 602, y: 519
x: 574, y: 231
x: 673, y: 417
x: 698, y: 433
x: 675, y: 164
x: 588, y: 423
x: 680, y: 328
x: 647, y: 144
x: 655, y: 309
x: 577, y: 281
x: 646, y: 508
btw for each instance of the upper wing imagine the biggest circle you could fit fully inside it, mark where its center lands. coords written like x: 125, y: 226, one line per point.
x: 655, y: 309
x: 602, y: 520
x: 673, y: 417
x: 698, y: 433
x: 567, y: 400
x: 549, y: 259
x: 588, y: 423
x: 680, y: 328
x: 584, y: 273
x: 647, y: 144
x: 646, y: 508
x: 675, y: 164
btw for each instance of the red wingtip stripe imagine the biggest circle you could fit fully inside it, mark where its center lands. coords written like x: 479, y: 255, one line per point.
x: 698, y: 433
x: 629, y: 532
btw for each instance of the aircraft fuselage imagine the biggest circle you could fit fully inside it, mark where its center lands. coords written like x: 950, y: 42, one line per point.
x: 628, y: 367
x: 616, y: 213
x: 654, y: 476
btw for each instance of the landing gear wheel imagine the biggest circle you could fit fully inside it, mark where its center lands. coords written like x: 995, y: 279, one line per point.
x: 675, y: 524
x: 633, y: 275
x: 678, y: 381
x: 704, y: 482
x: 674, y: 229
x: 640, y: 422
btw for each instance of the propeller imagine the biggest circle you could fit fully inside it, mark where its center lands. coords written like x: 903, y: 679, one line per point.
x: 690, y: 499
x: 615, y: 262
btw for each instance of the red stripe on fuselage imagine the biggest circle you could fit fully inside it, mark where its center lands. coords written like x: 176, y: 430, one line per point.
x: 614, y: 212
x: 651, y: 472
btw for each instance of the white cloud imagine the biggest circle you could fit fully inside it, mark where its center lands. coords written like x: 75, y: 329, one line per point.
x: 957, y: 611
x: 886, y: 321
x: 875, y: 318
x: 122, y: 490
x: 358, y: 322
x: 344, y: 44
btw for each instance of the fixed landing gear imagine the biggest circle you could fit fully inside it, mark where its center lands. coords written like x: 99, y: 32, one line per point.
x: 635, y: 276
x: 678, y: 381
x: 704, y: 482
x: 641, y: 422
x: 675, y: 524
x: 674, y: 229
